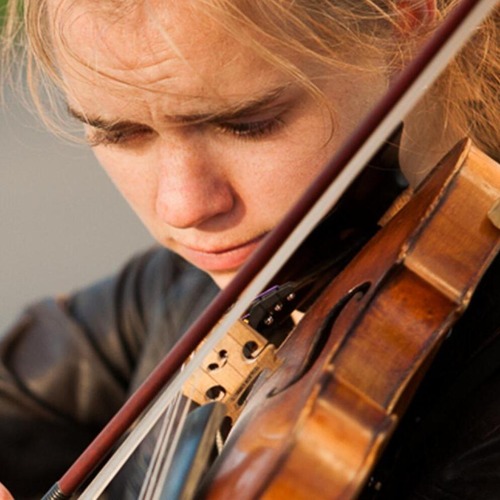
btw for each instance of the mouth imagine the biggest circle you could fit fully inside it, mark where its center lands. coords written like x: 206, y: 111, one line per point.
x: 220, y: 259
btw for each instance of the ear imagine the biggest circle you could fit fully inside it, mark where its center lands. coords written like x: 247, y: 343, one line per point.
x: 415, y: 15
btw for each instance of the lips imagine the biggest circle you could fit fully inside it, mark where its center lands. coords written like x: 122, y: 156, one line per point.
x: 223, y: 259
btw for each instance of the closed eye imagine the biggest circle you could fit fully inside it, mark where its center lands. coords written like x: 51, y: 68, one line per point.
x: 120, y: 136
x: 251, y: 129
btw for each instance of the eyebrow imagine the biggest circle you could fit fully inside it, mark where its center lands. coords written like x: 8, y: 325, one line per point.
x: 245, y: 108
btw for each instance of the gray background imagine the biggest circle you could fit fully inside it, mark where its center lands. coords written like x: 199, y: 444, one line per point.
x: 62, y: 223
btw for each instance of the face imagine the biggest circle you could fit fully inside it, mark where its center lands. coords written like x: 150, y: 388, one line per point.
x: 210, y: 144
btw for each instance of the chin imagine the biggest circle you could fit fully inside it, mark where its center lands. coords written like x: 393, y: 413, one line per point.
x: 222, y: 279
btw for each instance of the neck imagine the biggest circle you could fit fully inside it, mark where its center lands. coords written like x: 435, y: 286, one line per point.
x: 425, y: 140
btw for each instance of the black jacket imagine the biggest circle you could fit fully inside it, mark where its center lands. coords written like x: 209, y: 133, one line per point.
x: 68, y: 364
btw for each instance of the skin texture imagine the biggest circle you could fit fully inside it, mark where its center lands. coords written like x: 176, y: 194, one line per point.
x: 209, y: 144
x: 207, y: 170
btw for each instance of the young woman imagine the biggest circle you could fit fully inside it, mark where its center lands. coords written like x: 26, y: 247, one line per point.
x: 211, y: 117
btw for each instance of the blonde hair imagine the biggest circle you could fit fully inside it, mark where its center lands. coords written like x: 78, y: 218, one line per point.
x: 324, y: 31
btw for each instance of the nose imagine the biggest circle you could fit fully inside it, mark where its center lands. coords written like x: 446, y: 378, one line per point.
x: 192, y: 189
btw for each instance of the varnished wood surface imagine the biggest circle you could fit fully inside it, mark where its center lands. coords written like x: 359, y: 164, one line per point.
x: 316, y: 431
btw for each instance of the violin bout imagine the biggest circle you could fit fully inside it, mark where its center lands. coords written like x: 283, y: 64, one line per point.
x: 316, y: 426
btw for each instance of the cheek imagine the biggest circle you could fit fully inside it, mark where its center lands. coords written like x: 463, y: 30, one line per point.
x: 271, y: 184
x: 274, y: 177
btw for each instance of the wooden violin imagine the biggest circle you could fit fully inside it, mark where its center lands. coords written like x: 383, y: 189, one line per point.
x: 319, y: 423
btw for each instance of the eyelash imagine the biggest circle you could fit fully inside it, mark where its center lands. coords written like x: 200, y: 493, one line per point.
x: 242, y: 130
x: 108, y: 138
x: 252, y: 130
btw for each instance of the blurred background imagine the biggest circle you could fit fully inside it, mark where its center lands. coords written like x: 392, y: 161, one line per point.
x: 62, y: 223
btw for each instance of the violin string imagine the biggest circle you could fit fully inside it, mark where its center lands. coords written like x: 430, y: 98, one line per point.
x: 167, y: 463
x: 159, y: 451
x: 219, y: 442
x: 168, y: 457
x: 174, y: 440
x: 331, y: 195
x: 167, y: 438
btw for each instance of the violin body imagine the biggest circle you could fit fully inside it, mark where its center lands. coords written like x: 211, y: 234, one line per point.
x: 316, y: 426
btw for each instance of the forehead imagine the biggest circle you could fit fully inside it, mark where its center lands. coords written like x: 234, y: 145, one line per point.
x: 136, y: 38
x: 159, y: 45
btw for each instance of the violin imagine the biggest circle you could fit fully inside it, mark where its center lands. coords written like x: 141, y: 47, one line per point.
x: 320, y: 422
x: 347, y: 372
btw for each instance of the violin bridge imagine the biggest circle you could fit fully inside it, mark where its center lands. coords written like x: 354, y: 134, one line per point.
x: 228, y: 373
